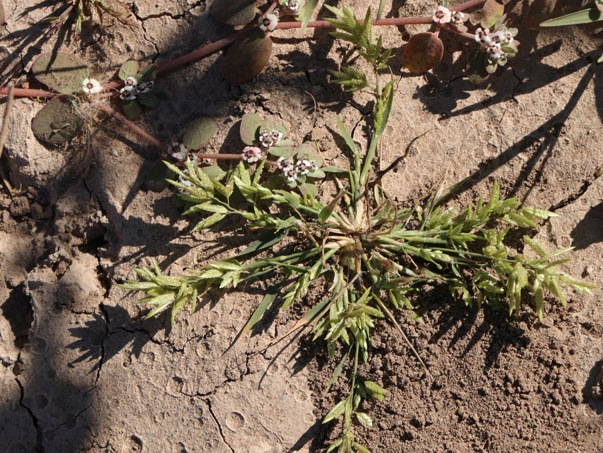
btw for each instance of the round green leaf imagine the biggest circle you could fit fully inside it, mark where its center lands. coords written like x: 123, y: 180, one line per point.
x: 128, y: 69
x: 199, y: 132
x: 132, y: 109
x: 280, y: 151
x: 61, y: 72
x: 423, y: 52
x: 308, y: 151
x: 233, y: 12
x: 250, y: 125
x: 58, y: 121
x: 247, y: 57
x: 149, y: 100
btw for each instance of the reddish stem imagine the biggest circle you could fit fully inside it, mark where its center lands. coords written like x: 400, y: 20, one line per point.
x: 27, y: 93
x: 133, y: 126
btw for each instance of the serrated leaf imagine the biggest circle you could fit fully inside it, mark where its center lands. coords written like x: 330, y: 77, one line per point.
x: 58, y: 121
x: 492, y: 11
x: 129, y: 69
x: 247, y: 57
x: 233, y: 12
x: 423, y: 52
x: 249, y: 130
x: 199, y: 132
x: 209, y: 221
x: 61, y: 72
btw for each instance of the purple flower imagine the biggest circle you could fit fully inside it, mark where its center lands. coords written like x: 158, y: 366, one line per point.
x: 252, y: 154
x: 442, y: 15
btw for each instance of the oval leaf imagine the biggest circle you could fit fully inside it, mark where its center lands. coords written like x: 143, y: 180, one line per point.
x: 233, y: 12
x: 199, y: 132
x: 58, y: 121
x: 307, y: 150
x: 492, y: 11
x: 128, y: 69
x: 250, y: 125
x: 132, y: 110
x: 149, y: 100
x: 61, y: 72
x: 247, y: 57
x: 423, y: 52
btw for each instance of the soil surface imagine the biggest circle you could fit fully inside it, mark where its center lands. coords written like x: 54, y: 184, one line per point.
x: 80, y: 368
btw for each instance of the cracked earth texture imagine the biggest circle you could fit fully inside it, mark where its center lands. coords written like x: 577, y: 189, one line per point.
x: 80, y: 370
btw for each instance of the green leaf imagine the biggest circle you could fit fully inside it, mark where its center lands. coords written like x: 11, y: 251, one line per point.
x: 306, y: 13
x: 247, y: 57
x: 233, y: 12
x: 209, y: 221
x: 61, y: 72
x: 384, y: 107
x: 492, y: 11
x: 149, y: 100
x: 147, y: 74
x: 199, y: 132
x: 336, y: 372
x: 375, y: 390
x: 257, y: 314
x: 132, y: 109
x: 249, y: 130
x: 364, y: 419
x: 336, y: 411
x: 158, y: 175
x: 584, y: 16
x: 129, y: 69
x: 58, y: 121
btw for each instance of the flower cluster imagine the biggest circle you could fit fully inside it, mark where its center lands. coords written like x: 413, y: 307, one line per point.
x: 292, y: 169
x: 91, y: 86
x: 179, y: 152
x: 133, y: 88
x: 443, y: 15
x: 494, y: 43
x: 269, y: 139
x: 252, y: 154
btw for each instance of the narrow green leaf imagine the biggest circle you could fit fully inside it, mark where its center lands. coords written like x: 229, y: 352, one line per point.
x: 337, y: 372
x: 364, y: 419
x: 209, y: 221
x: 584, y: 16
x: 306, y: 13
x: 257, y: 314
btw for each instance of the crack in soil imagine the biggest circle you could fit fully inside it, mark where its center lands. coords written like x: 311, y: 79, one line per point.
x: 211, y: 411
x: 572, y: 198
x: 101, y: 360
x: 39, y: 448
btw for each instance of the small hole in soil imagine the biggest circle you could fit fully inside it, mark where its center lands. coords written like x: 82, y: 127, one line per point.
x: 17, y: 309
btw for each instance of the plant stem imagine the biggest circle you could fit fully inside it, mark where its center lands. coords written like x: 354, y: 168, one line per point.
x: 133, y: 126
x: 27, y: 93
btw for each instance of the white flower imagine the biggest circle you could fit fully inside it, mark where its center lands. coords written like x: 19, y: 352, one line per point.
x: 144, y: 87
x: 252, y: 154
x: 284, y: 164
x: 290, y: 174
x: 131, y: 82
x: 268, y: 21
x: 128, y: 93
x: 91, y: 86
x: 178, y: 151
x: 457, y: 17
x: 442, y: 15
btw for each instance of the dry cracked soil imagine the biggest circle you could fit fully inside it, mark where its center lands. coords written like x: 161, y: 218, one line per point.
x: 80, y: 368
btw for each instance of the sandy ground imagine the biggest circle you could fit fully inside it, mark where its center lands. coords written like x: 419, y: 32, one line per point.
x: 82, y: 371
